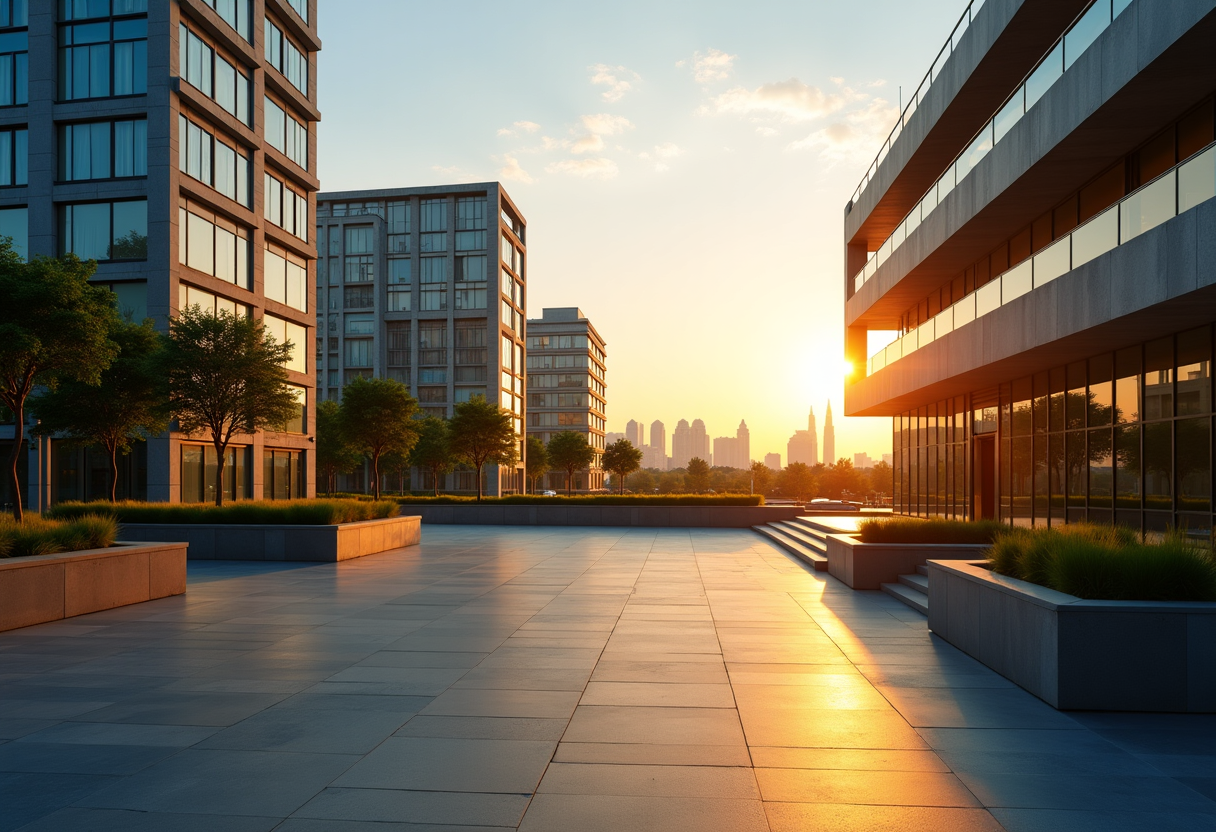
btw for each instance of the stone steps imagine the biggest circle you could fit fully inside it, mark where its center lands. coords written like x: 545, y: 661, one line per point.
x: 797, y: 546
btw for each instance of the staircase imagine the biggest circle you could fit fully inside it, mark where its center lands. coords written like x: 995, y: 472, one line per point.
x: 913, y: 589
x: 803, y: 537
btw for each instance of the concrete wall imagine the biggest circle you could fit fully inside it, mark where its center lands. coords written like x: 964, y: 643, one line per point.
x: 870, y: 565
x: 738, y: 517
x: 325, y: 544
x: 1076, y: 654
x: 34, y: 590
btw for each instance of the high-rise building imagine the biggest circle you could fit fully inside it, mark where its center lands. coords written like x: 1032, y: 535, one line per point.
x: 635, y: 432
x: 681, y: 445
x: 813, y: 438
x: 567, y: 370
x: 800, y: 448
x: 734, y: 451
x: 658, y: 438
x: 829, y: 438
x: 415, y: 287
x: 1037, y: 234
x: 773, y: 461
x: 862, y: 460
x: 136, y: 134
x: 698, y: 439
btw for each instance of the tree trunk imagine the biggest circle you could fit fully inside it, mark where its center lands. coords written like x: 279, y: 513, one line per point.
x: 219, y: 474
x: 480, y: 488
x: 435, y: 476
x: 14, y: 455
x: 376, y: 475
x: 113, y: 449
x: 569, y: 480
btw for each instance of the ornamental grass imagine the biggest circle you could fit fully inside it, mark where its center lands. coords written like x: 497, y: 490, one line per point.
x: 914, y: 530
x: 243, y: 513
x: 38, y: 535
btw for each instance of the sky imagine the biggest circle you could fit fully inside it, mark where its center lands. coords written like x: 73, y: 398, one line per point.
x: 682, y: 166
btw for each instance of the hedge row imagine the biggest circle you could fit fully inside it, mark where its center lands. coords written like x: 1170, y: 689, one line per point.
x: 244, y: 513
x: 595, y: 500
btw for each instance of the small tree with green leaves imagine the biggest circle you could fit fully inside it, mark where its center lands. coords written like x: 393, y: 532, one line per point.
x: 697, y: 477
x: 54, y: 326
x: 569, y: 452
x: 225, y: 376
x: 127, y: 405
x: 797, y: 481
x: 536, y: 462
x: 761, y: 478
x: 378, y: 420
x: 334, y: 454
x: 621, y: 459
x: 482, y: 433
x: 433, y: 451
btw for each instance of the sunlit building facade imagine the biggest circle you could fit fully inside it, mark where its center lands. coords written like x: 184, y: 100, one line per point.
x: 426, y: 286
x: 568, y: 388
x: 175, y: 144
x: 1036, y: 238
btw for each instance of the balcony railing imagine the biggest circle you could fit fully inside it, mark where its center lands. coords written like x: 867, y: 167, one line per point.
x: 1174, y: 192
x: 1063, y: 54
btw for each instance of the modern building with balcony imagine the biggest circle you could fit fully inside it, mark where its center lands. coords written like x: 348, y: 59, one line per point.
x: 567, y: 387
x: 1031, y: 272
x: 406, y: 289
x: 136, y: 134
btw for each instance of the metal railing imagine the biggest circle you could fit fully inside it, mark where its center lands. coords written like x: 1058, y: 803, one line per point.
x: 1174, y: 192
x: 1063, y: 53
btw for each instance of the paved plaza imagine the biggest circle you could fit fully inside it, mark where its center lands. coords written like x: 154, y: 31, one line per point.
x: 557, y: 679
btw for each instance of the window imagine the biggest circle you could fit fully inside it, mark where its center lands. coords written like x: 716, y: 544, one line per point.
x: 14, y: 157
x: 360, y: 264
x: 105, y: 230
x: 209, y: 73
x: 286, y: 57
x: 103, y: 150
x: 286, y: 135
x: 434, y: 215
x: 236, y: 13
x: 14, y: 224
x: 213, y: 162
x: 471, y: 343
x: 284, y: 331
x: 300, y: 7
x: 285, y: 207
x: 283, y: 474
x: 471, y: 282
x: 398, y: 227
x: 358, y: 352
x: 400, y: 285
x: 107, y: 56
x: 357, y: 297
x: 286, y: 278
x: 199, y: 467
x: 360, y: 325
x: 214, y: 245
x: 297, y: 422
x: 470, y: 213
x: 14, y: 56
x: 432, y: 342
x: 398, y: 333
x: 433, y: 295
x: 470, y: 240
x: 188, y: 296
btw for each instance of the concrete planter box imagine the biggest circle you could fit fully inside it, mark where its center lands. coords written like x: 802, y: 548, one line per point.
x: 1076, y: 654
x: 324, y: 544
x: 734, y: 517
x: 870, y: 565
x: 34, y: 590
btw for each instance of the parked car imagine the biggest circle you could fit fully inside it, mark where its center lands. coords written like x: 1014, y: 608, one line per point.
x: 548, y: 493
x: 824, y: 504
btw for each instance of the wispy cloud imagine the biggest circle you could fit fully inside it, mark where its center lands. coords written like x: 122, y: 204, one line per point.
x: 519, y: 127
x: 602, y: 124
x: 668, y: 150
x: 617, y: 79
x: 511, y: 170
x: 790, y: 100
x: 853, y: 136
x: 590, y: 143
x: 598, y: 168
x: 714, y: 65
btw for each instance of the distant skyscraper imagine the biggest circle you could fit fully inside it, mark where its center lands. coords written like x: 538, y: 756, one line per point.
x: 814, y: 438
x: 743, y: 449
x: 609, y: 438
x: 829, y: 438
x: 699, y: 440
x: 681, y: 445
x: 634, y: 432
x: 863, y: 460
x: 658, y: 437
x: 734, y: 452
x: 800, y: 448
x: 773, y: 461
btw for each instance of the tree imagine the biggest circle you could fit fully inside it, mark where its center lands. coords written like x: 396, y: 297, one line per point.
x: 797, y: 481
x: 536, y: 463
x: 697, y: 478
x: 762, y: 478
x: 334, y: 455
x: 645, y: 482
x: 378, y: 421
x: 621, y: 459
x: 481, y: 433
x: 54, y: 326
x: 671, y: 482
x: 127, y: 405
x: 882, y: 479
x: 842, y: 481
x: 569, y: 452
x: 225, y: 376
x: 433, y: 451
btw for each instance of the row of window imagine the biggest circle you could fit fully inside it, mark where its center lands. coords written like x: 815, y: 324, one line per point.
x: 103, y: 150
x: 214, y: 245
x: 557, y: 342
x: 104, y: 58
x: 213, y: 162
x: 283, y: 473
x: 105, y: 230
x: 286, y: 278
x: 285, y: 207
x: 236, y: 13
x: 286, y: 57
x: 556, y: 362
x: 208, y: 72
x: 286, y: 135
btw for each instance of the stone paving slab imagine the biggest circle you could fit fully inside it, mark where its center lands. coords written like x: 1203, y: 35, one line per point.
x: 557, y: 679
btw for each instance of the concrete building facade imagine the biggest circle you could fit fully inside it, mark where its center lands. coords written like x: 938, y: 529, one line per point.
x: 175, y: 144
x: 568, y: 387
x: 1037, y: 235
x: 427, y: 286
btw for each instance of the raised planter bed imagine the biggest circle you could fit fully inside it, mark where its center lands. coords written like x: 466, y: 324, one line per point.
x: 324, y: 544
x: 41, y: 588
x: 870, y: 565
x: 736, y: 517
x: 1077, y: 654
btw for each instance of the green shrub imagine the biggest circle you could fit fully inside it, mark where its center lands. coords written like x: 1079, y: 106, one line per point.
x: 244, y: 513
x: 1107, y: 563
x: 595, y: 500
x: 42, y: 536
x: 914, y: 530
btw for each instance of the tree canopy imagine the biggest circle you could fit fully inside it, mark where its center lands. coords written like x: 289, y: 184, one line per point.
x: 482, y: 433
x: 433, y: 451
x: 127, y: 404
x: 621, y: 459
x: 225, y: 376
x: 697, y: 477
x: 797, y: 481
x: 569, y: 452
x: 54, y: 326
x: 761, y: 478
x: 378, y: 420
x: 334, y: 454
x: 536, y: 461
